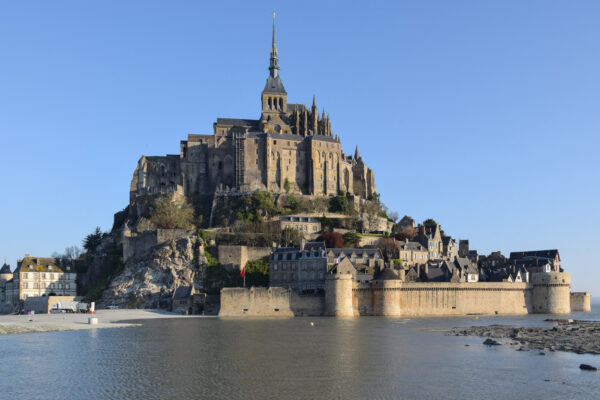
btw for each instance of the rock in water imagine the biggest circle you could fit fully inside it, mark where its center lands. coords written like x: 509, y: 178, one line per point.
x: 587, y: 367
x: 491, y: 342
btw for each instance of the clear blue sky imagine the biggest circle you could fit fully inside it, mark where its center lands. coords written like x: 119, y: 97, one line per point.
x: 482, y: 115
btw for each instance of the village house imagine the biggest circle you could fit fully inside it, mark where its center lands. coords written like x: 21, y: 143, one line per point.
x: 412, y: 253
x: 550, y: 256
x: 183, y: 300
x: 302, y: 268
x: 40, y: 276
x: 309, y: 226
x: 450, y: 248
x: 431, y: 238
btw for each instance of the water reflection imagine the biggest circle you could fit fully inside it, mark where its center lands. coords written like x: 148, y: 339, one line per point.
x: 375, y: 358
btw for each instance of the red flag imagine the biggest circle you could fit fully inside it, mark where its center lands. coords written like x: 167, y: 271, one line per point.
x: 243, y: 272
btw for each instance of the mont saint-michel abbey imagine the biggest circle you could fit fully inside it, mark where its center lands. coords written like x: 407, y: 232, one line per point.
x: 290, y: 147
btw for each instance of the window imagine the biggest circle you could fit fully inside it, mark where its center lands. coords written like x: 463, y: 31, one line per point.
x: 283, y: 267
x: 24, y: 275
x: 35, y: 285
x: 274, y: 267
x: 25, y: 285
x: 67, y: 286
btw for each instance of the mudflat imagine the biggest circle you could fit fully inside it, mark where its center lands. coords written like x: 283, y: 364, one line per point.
x: 571, y: 336
x: 67, y: 322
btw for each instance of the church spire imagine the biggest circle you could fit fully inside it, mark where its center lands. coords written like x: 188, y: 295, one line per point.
x: 274, y: 64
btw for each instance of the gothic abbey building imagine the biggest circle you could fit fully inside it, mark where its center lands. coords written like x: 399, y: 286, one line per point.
x: 290, y: 147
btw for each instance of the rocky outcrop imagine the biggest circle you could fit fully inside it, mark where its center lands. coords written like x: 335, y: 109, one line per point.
x: 148, y: 280
x: 571, y: 336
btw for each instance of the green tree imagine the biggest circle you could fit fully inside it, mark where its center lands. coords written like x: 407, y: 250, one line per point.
x: 352, y: 238
x: 168, y: 214
x: 93, y: 240
x: 257, y: 273
x: 286, y: 185
x: 290, y: 237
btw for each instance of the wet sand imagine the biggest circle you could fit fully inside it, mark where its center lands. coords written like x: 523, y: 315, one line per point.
x: 67, y: 322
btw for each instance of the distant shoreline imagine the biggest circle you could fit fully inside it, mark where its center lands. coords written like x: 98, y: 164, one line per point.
x: 15, y: 324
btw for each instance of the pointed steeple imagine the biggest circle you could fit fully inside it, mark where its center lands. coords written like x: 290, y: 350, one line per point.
x: 274, y: 64
x: 274, y: 84
x: 356, y: 155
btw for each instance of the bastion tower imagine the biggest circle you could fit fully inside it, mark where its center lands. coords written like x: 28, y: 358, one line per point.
x: 551, y: 292
x: 338, y: 295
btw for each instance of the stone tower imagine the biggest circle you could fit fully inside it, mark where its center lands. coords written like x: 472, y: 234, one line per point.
x: 338, y: 295
x: 551, y: 292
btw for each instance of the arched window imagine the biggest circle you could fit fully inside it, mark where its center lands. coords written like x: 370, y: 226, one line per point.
x: 280, y: 103
x: 269, y: 103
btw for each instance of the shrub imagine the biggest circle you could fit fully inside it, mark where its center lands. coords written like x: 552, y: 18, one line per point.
x: 168, y: 214
x: 332, y: 239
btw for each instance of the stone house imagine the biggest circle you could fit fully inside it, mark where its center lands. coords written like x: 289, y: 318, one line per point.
x: 302, y: 268
x: 449, y: 249
x: 431, y: 238
x: 183, y: 300
x: 309, y: 226
x: 40, y: 276
x: 412, y: 253
x: 551, y: 257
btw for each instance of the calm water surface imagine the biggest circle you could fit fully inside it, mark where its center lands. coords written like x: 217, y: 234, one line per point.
x: 363, y: 358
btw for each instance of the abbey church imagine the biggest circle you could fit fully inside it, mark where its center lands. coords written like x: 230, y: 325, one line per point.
x: 289, y: 149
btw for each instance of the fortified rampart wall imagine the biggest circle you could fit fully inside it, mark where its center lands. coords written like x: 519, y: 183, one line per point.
x: 388, y: 298
x: 547, y: 293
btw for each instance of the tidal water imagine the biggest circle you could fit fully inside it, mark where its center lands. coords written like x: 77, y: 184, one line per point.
x: 363, y: 358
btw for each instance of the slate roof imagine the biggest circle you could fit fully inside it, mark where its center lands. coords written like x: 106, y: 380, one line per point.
x: 247, y: 123
x: 274, y: 85
x: 435, y: 274
x: 447, y: 239
x: 296, y: 107
x: 386, y: 274
x: 552, y: 254
x: 311, y: 250
x: 5, y: 269
x: 182, y: 293
x: 412, y: 246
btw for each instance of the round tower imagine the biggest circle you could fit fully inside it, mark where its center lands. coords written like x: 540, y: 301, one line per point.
x: 5, y: 274
x: 338, y: 295
x: 386, y: 294
x: 551, y: 292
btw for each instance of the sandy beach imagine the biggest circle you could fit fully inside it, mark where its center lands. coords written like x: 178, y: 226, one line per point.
x: 68, y: 322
